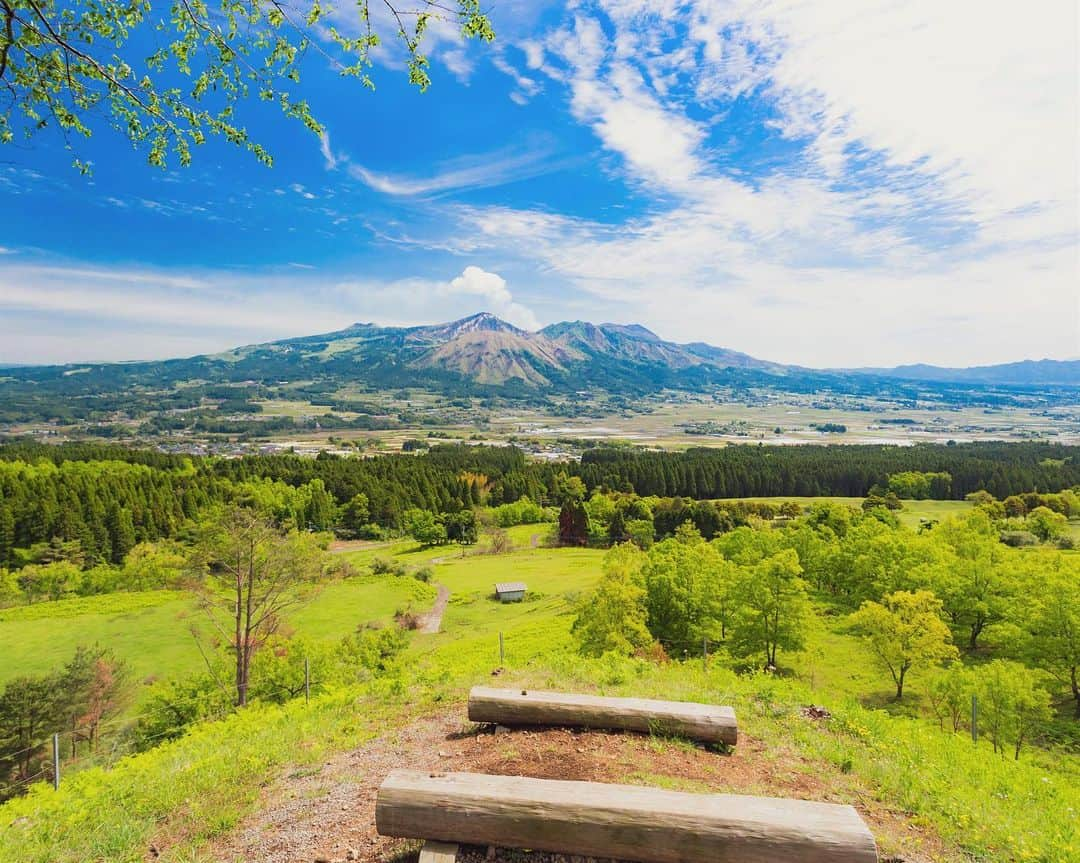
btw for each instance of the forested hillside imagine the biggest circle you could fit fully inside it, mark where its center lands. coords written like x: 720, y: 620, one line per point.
x: 107, y: 499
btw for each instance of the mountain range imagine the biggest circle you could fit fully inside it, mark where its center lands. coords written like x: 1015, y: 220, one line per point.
x: 488, y: 351
x: 482, y: 354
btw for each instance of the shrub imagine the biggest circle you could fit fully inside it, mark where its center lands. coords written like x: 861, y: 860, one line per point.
x: 1019, y: 538
x: 424, y: 573
x: 385, y: 566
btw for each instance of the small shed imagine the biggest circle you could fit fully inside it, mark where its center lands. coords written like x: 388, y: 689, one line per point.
x: 510, y: 591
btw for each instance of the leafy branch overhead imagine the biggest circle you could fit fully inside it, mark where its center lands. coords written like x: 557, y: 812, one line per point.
x: 169, y: 78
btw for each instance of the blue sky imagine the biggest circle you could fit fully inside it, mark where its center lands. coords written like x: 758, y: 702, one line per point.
x: 828, y: 183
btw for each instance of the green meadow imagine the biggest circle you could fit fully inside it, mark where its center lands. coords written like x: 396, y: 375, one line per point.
x: 152, y: 631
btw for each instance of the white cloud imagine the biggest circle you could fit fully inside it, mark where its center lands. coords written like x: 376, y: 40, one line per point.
x: 457, y: 61
x: 981, y: 97
x: 930, y: 216
x: 491, y: 287
x: 526, y: 87
x: 473, y: 172
x: 117, y: 313
x: 328, y: 154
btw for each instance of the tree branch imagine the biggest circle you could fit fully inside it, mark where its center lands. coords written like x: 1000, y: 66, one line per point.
x: 9, y: 36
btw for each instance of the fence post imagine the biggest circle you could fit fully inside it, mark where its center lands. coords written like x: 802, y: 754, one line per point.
x: 307, y: 681
x: 74, y: 726
x: 974, y: 719
x: 56, y: 762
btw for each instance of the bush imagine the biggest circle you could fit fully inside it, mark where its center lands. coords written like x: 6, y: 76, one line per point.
x: 385, y: 566
x: 522, y: 511
x: 1019, y: 538
x: 424, y: 573
x: 407, y: 620
x: 499, y: 541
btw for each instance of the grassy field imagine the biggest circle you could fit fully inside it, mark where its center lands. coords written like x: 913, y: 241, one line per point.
x: 152, y: 631
x: 912, y: 514
x: 182, y: 795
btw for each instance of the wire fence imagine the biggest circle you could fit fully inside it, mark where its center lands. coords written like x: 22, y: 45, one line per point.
x: 48, y: 753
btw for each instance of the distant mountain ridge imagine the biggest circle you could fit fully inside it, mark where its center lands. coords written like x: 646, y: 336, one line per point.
x: 482, y: 354
x: 1022, y: 373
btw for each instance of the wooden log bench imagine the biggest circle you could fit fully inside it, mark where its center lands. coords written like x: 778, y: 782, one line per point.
x: 703, y: 722
x: 624, y: 822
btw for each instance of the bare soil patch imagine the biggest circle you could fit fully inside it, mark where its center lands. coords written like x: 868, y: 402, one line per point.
x: 431, y: 621
x: 340, y: 546
x: 327, y: 815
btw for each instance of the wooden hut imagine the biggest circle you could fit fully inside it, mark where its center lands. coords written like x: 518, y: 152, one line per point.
x: 510, y: 591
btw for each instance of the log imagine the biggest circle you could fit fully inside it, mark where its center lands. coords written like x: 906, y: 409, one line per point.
x: 624, y: 822
x: 704, y: 722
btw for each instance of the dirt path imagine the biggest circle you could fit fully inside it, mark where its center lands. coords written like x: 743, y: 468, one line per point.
x: 432, y: 620
x: 327, y: 814
x: 340, y: 546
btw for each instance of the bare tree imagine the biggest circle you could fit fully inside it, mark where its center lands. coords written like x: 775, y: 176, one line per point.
x: 250, y: 572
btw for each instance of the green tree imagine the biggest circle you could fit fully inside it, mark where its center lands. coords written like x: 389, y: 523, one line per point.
x: 919, y: 485
x: 422, y: 526
x: 1054, y: 625
x: 121, y: 532
x: 686, y: 582
x: 355, y: 515
x: 1046, y: 524
x: 7, y: 534
x: 639, y: 531
x: 72, y: 66
x: 31, y: 709
x: 905, y: 631
x: 251, y: 573
x: 460, y: 527
x: 1012, y: 706
x: 612, y: 619
x: 976, y: 587
x: 50, y: 580
x: 949, y: 692
x: 10, y: 592
x: 773, y: 608
x: 153, y: 565
x: 320, y: 512
x: 574, y: 524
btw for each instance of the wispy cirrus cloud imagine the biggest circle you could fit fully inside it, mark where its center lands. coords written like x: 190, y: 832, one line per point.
x: 469, y: 172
